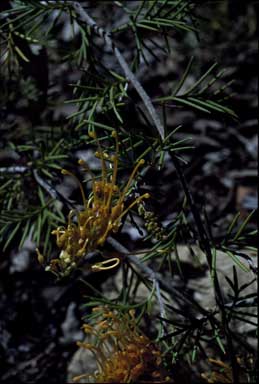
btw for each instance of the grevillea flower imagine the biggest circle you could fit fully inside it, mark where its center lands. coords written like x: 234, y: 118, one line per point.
x: 222, y: 373
x: 101, y: 215
x: 123, y: 354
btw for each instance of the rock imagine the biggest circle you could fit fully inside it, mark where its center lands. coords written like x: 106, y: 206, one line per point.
x: 20, y: 260
x: 71, y: 327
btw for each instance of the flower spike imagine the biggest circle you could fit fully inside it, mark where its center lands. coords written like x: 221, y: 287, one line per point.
x: 102, y: 212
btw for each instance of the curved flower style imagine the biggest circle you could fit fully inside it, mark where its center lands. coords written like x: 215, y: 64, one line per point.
x: 123, y: 354
x: 101, y: 215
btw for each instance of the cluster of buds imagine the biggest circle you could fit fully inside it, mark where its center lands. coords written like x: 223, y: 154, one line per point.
x: 123, y: 354
x: 151, y: 223
x: 101, y: 215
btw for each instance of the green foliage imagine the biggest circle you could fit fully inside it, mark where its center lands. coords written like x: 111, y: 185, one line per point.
x: 102, y: 98
x: 201, y: 95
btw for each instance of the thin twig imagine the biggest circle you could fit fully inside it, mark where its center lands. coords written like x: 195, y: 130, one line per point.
x: 145, y: 269
x: 14, y: 169
x: 83, y: 16
x: 163, y: 283
x: 50, y: 190
x: 206, y: 246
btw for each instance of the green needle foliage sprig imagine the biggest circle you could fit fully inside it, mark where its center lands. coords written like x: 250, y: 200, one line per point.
x: 104, y: 95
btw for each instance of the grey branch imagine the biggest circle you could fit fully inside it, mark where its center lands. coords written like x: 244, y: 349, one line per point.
x: 145, y: 269
x: 14, y: 169
x: 52, y: 191
x: 48, y: 188
x: 83, y: 16
x: 149, y: 273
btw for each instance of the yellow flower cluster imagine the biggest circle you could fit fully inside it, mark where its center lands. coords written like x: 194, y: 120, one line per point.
x: 222, y: 372
x: 101, y: 215
x: 123, y: 354
x: 222, y: 375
